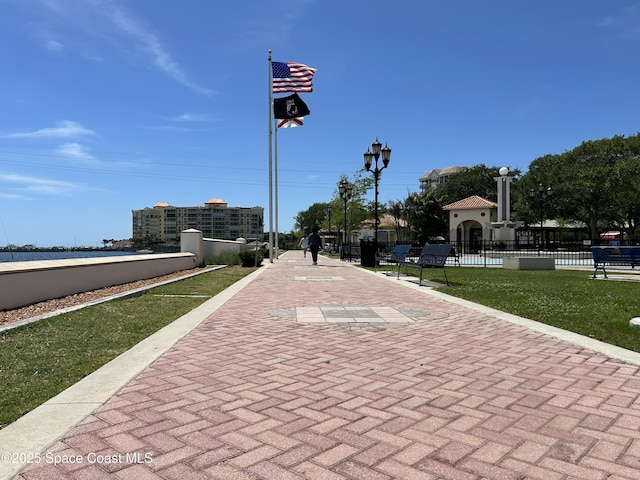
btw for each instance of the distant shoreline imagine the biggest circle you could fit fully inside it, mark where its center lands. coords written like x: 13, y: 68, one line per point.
x: 66, y: 249
x: 21, y: 254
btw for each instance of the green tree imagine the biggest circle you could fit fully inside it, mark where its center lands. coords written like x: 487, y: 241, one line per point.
x: 424, y: 215
x: 526, y: 207
x: 357, y: 207
x: 476, y: 180
x: 396, y: 209
x: 313, y: 216
x: 627, y: 176
x: 586, y: 191
x: 595, y: 183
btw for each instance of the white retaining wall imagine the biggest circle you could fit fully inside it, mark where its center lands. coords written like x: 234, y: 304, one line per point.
x: 192, y: 241
x: 25, y: 283
x: 213, y: 247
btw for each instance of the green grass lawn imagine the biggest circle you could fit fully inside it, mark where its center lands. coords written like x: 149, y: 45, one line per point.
x: 40, y: 360
x: 567, y: 299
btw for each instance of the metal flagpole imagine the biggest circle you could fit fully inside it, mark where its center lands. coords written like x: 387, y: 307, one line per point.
x: 275, y: 168
x: 270, y: 160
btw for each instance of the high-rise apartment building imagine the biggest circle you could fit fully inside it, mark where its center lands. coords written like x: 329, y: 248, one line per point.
x: 162, y: 223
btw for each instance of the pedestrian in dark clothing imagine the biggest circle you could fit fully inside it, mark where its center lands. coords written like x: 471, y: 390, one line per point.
x: 315, y: 242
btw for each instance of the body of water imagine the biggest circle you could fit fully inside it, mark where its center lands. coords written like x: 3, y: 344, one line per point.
x: 61, y: 255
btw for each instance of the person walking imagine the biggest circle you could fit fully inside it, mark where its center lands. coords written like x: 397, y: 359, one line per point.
x: 315, y: 242
x: 304, y: 243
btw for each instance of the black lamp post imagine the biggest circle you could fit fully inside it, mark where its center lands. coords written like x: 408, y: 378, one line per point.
x: 329, y: 213
x: 542, y: 191
x: 345, y: 189
x: 369, y: 156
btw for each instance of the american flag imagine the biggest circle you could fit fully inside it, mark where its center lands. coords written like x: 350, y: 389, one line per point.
x: 292, y: 77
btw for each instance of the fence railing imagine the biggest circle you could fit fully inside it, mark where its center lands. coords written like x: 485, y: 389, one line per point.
x: 492, y: 253
x: 488, y: 253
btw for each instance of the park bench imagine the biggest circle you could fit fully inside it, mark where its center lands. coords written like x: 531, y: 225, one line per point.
x: 614, y: 256
x: 431, y: 256
x: 350, y: 251
x: 397, y: 256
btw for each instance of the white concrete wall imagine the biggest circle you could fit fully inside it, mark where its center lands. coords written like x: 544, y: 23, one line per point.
x: 191, y: 241
x: 213, y: 247
x: 25, y: 283
x: 206, y: 248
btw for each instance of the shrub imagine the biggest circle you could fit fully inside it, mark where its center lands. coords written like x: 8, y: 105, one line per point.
x: 251, y: 258
x: 226, y: 258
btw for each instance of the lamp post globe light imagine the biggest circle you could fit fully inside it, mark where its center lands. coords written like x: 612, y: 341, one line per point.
x: 369, y: 156
x: 541, y: 191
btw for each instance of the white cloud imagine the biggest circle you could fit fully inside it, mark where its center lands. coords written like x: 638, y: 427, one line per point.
x: 122, y: 30
x: 11, y: 196
x: 53, y: 45
x: 77, y: 152
x: 623, y: 22
x: 191, y: 117
x: 608, y: 21
x: 151, y: 45
x: 49, y: 40
x: 40, y: 185
x: 63, y: 129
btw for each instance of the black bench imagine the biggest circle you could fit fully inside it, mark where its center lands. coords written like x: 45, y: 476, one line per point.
x: 431, y: 256
x: 350, y: 251
x: 397, y: 255
x: 614, y: 256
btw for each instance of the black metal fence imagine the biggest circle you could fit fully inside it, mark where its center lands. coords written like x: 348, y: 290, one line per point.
x: 491, y: 253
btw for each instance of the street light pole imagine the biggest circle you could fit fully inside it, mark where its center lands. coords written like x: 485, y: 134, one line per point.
x: 542, y: 191
x: 329, y: 212
x: 369, y: 156
x: 345, y: 190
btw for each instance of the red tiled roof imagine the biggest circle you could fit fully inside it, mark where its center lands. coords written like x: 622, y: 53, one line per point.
x: 470, y: 203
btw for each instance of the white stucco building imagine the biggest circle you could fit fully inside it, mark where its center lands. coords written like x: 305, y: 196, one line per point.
x: 470, y: 221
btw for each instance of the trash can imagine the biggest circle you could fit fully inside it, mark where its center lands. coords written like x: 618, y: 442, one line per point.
x: 345, y: 251
x: 368, y: 253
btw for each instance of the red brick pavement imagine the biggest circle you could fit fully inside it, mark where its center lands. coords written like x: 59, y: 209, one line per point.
x: 456, y: 394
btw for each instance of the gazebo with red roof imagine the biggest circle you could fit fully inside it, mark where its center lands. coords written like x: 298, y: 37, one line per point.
x: 470, y: 221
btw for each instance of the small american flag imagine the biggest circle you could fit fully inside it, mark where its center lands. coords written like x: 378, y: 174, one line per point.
x: 292, y: 77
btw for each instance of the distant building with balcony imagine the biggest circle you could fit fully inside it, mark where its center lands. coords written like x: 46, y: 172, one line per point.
x: 438, y: 176
x: 162, y: 223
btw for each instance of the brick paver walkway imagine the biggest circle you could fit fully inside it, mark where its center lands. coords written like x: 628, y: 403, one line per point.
x: 329, y: 372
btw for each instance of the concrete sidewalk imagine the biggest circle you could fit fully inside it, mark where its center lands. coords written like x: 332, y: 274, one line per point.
x: 333, y: 372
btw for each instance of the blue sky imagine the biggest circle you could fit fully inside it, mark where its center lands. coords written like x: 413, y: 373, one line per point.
x: 113, y: 105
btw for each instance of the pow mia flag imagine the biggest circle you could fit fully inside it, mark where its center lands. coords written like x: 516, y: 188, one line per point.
x: 289, y: 107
